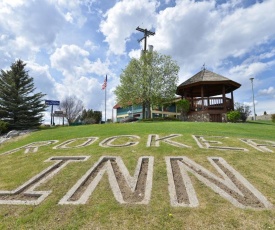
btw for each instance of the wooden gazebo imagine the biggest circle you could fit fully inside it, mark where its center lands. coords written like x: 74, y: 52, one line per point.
x: 206, y: 92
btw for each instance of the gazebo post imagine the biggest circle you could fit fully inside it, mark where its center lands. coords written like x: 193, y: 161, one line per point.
x: 223, y: 97
x: 202, y: 100
x: 232, y: 100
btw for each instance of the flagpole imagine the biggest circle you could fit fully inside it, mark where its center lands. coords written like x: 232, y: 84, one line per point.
x: 104, y: 86
x: 105, y: 104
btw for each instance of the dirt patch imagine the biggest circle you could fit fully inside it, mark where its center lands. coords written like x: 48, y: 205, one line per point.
x: 129, y: 196
x: 248, y: 199
x: 181, y: 192
x: 82, y: 188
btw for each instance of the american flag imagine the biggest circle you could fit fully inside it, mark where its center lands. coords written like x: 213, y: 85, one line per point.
x: 104, y: 85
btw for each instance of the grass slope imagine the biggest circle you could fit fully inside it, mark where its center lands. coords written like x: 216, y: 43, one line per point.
x: 102, y: 211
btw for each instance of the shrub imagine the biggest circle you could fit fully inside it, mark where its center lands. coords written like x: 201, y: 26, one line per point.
x: 3, y: 126
x: 183, y: 106
x: 273, y: 117
x: 233, y: 116
x: 244, y: 111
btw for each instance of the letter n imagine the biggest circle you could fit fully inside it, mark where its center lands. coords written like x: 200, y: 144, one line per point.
x: 126, y: 189
x: 231, y: 185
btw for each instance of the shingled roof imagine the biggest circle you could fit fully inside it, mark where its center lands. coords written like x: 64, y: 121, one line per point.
x: 204, y: 75
x: 211, y: 80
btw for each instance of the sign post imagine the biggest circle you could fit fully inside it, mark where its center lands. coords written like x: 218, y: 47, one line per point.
x: 52, y: 103
x: 59, y: 114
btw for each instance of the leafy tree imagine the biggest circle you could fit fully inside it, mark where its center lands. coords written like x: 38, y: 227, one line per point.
x: 72, y: 107
x: 20, y: 106
x: 183, y: 105
x: 91, y: 117
x: 152, y: 79
x: 273, y: 117
x: 244, y: 111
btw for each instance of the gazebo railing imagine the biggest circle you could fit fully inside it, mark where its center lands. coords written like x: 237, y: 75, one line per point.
x: 211, y: 103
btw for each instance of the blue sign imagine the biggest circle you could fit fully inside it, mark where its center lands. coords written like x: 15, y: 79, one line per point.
x: 50, y: 102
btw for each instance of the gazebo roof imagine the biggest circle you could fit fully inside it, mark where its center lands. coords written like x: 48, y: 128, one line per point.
x: 213, y: 84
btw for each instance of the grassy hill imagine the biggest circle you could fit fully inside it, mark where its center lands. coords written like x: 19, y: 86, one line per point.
x: 103, y: 211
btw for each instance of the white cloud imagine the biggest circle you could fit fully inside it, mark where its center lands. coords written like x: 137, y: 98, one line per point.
x: 134, y: 53
x: 200, y: 32
x: 122, y: 20
x: 183, y: 32
x: 73, y: 61
x: 261, y: 107
x: 243, y: 72
x: 68, y: 58
x: 27, y: 27
x: 267, y: 54
x: 269, y: 91
x: 249, y: 70
x: 71, y: 11
x: 89, y: 44
x: 32, y: 22
x: 78, y: 79
x: 69, y: 17
x: 43, y: 80
x: 239, y: 31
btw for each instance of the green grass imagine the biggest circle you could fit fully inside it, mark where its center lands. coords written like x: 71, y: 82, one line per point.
x: 102, y: 211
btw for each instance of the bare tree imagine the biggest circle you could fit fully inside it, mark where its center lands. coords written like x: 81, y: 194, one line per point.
x: 72, y: 107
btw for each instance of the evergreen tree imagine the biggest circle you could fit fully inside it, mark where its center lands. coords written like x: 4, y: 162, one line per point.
x: 22, y: 107
x: 91, y: 117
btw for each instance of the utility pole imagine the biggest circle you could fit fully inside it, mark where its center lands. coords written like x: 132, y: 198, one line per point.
x: 251, y: 79
x: 146, y: 33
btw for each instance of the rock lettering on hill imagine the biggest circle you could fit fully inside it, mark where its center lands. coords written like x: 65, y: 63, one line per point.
x: 31, y: 148
x: 260, y: 145
x: 232, y: 186
x: 26, y: 194
x: 126, y: 189
x: 68, y: 144
x: 108, y: 142
x: 154, y: 140
x: 216, y: 140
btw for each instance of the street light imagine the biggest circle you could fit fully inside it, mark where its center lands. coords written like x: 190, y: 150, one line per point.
x: 251, y: 79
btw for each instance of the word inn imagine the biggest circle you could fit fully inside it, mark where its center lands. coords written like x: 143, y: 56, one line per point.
x: 137, y: 189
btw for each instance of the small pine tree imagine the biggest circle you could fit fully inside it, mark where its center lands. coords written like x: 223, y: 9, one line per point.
x: 23, y: 107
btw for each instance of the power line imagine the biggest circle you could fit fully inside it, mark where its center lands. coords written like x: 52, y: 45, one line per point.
x: 146, y: 33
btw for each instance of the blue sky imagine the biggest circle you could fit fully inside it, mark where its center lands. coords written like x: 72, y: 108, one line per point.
x: 70, y: 46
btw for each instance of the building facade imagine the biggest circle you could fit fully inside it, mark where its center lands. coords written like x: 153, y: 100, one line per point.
x: 169, y: 110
